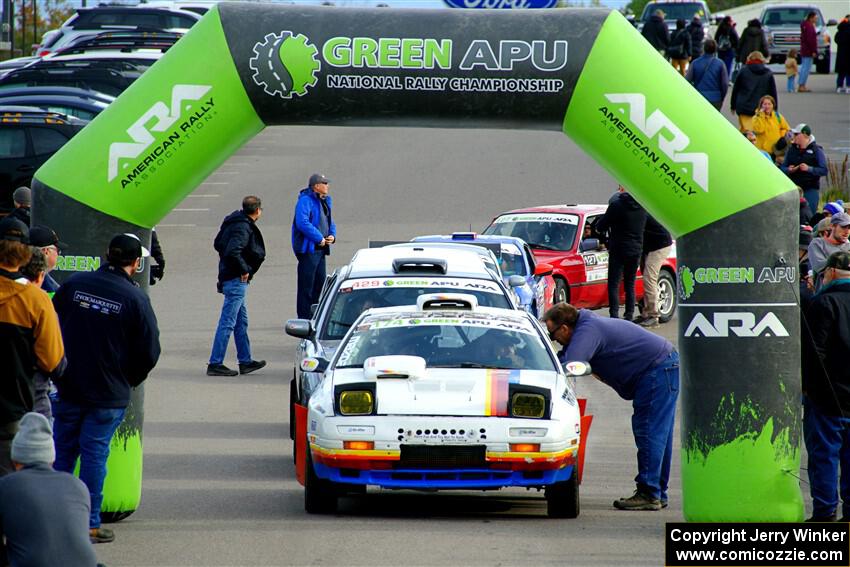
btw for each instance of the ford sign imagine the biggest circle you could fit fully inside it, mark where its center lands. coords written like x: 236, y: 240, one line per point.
x: 501, y: 3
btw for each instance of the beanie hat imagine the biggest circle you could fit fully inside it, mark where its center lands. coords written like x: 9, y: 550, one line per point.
x: 33, y: 443
x: 833, y: 208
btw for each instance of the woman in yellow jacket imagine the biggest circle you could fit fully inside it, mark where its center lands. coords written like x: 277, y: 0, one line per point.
x: 768, y: 124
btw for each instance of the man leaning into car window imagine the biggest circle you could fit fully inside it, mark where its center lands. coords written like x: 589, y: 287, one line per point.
x: 641, y: 367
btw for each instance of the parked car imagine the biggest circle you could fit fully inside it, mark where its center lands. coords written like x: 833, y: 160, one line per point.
x: 442, y: 395
x: 781, y: 23
x: 104, y: 18
x: 563, y: 236
x: 71, y: 101
x: 382, y: 277
x: 104, y: 72
x: 28, y: 137
x: 515, y: 259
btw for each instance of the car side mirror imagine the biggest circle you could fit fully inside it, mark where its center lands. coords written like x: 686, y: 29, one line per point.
x: 832, y: 22
x: 516, y: 281
x: 314, y: 364
x: 588, y: 244
x: 543, y: 270
x: 577, y: 368
x: 301, y: 328
x: 631, y: 18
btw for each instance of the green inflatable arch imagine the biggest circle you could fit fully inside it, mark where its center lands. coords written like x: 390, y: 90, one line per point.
x: 585, y: 72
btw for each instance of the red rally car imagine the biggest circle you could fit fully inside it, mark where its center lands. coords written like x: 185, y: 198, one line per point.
x: 563, y: 236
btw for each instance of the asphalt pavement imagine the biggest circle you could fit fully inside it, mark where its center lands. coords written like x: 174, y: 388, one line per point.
x: 219, y: 485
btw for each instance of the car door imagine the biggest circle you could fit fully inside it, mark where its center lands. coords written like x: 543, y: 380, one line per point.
x: 16, y: 168
x: 595, y: 288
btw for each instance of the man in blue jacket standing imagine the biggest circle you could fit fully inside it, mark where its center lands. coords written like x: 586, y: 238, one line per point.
x: 313, y: 231
x: 241, y: 250
x: 112, y: 343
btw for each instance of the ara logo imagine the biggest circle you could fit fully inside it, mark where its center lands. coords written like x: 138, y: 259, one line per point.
x: 739, y: 324
x: 164, y: 116
x: 671, y: 139
x: 285, y: 64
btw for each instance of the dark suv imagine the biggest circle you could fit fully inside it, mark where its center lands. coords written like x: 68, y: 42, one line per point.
x: 28, y: 137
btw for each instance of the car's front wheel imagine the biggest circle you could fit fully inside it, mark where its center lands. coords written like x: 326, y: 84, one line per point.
x: 320, y: 495
x: 562, y: 292
x: 562, y: 498
x: 666, y: 296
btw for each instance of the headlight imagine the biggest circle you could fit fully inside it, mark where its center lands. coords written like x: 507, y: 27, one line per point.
x: 528, y: 405
x: 356, y: 402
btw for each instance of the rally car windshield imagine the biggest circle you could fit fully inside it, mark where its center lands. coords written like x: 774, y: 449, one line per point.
x: 549, y: 232
x: 511, y: 261
x: 449, y: 341
x: 356, y: 296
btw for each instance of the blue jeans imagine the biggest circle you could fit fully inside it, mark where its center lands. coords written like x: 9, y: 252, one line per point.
x: 791, y: 83
x: 828, y: 444
x: 805, y: 69
x: 85, y: 432
x: 652, y: 424
x: 728, y: 57
x: 311, y: 278
x: 812, y: 197
x: 233, y: 321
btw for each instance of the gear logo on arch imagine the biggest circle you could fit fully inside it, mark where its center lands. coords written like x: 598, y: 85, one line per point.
x: 285, y: 64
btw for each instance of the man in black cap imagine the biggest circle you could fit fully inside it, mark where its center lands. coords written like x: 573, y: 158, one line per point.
x: 112, y: 343
x: 46, y: 238
x: 22, y: 199
x: 805, y: 163
x: 826, y: 389
x: 313, y: 231
x: 29, y: 335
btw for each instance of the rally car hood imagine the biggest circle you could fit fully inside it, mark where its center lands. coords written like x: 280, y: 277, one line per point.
x: 450, y: 391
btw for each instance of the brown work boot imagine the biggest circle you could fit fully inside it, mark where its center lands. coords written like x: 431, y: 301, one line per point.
x: 638, y: 501
x: 101, y: 535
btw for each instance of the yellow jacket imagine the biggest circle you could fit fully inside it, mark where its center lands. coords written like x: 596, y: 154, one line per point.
x: 769, y: 129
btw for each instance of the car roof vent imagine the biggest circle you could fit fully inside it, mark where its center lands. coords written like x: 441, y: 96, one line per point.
x: 420, y: 265
x: 445, y: 301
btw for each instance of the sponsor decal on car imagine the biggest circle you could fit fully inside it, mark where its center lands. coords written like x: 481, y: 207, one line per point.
x: 537, y: 217
x: 453, y: 283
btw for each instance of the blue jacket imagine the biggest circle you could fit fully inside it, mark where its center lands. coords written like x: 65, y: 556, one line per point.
x: 305, y: 222
x: 111, y: 337
x: 619, y: 352
x: 709, y: 78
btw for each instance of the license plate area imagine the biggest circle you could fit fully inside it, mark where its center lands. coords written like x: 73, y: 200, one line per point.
x: 442, y: 456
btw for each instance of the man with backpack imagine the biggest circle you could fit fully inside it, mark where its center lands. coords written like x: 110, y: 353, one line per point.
x: 708, y: 75
x: 241, y: 252
x: 679, y: 50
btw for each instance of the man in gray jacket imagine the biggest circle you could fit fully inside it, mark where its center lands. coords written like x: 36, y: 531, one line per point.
x: 37, y: 502
x: 822, y: 248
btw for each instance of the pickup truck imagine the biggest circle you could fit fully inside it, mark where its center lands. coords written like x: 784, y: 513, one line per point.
x: 781, y: 23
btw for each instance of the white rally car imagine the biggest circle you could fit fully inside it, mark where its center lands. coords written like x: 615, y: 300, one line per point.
x: 442, y: 395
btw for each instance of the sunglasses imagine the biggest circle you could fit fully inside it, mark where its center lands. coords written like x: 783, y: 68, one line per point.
x: 553, y: 332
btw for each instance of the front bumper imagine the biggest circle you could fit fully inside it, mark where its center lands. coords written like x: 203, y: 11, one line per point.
x: 493, y: 436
